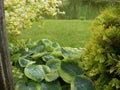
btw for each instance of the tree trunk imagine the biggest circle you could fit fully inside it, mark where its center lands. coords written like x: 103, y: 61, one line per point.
x: 6, y: 80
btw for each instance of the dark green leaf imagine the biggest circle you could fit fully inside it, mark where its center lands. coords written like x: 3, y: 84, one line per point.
x: 69, y: 70
x: 54, y: 64
x: 50, y: 86
x: 48, y: 57
x: 82, y: 83
x: 23, y: 85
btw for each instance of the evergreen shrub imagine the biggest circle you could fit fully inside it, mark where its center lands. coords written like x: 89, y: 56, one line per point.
x: 102, y: 53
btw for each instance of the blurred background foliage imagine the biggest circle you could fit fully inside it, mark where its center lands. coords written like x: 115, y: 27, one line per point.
x: 83, y: 9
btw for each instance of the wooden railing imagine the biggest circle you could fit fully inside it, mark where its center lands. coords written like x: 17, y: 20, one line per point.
x: 6, y: 80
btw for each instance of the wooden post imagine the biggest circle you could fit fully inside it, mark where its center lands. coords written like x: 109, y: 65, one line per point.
x: 6, y: 80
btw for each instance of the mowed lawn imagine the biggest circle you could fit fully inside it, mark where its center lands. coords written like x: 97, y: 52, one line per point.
x: 69, y: 33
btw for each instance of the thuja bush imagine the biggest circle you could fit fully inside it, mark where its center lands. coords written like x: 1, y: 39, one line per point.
x: 46, y: 65
x: 102, y: 53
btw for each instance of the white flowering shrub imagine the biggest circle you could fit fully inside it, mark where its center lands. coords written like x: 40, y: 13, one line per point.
x: 21, y: 13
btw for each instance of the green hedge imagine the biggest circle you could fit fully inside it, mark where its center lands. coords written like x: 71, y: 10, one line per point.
x: 102, y: 54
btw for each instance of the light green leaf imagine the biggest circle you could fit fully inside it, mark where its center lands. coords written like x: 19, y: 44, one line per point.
x: 82, y: 83
x: 69, y: 70
x: 15, y: 57
x: 23, y: 85
x: 35, y: 72
x: 46, y: 69
x: 105, y: 38
x: 38, y: 55
x: 51, y: 76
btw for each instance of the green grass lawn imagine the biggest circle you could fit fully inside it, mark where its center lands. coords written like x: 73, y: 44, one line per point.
x: 73, y: 33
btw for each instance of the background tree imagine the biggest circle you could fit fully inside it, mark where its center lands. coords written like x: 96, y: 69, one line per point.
x: 83, y: 9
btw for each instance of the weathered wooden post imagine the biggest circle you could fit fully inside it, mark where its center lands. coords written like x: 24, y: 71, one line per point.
x: 6, y: 80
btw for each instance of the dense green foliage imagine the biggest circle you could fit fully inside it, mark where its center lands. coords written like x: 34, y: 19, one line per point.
x: 85, y: 9
x: 61, y: 31
x: 102, y: 53
x: 47, y: 66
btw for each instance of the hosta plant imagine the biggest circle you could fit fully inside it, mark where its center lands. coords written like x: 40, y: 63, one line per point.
x: 46, y: 65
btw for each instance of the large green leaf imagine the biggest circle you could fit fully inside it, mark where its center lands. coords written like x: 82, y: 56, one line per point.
x: 23, y: 85
x: 54, y: 64
x: 39, y: 47
x: 50, y: 86
x: 82, y: 83
x: 24, y: 62
x: 69, y: 70
x: 35, y: 72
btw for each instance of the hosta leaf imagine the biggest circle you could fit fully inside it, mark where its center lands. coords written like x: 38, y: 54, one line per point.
x: 57, y: 53
x: 46, y: 69
x: 54, y: 64
x: 24, y: 62
x: 35, y: 72
x: 56, y: 45
x: 22, y: 85
x: 50, y: 86
x: 38, y: 55
x: 67, y: 53
x: 48, y: 57
x: 57, y: 49
x: 48, y: 45
x: 69, y: 70
x: 39, y: 47
x: 82, y: 83
x: 51, y: 76
x: 64, y: 52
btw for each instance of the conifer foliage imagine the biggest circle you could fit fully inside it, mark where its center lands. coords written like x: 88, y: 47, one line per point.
x: 102, y: 54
